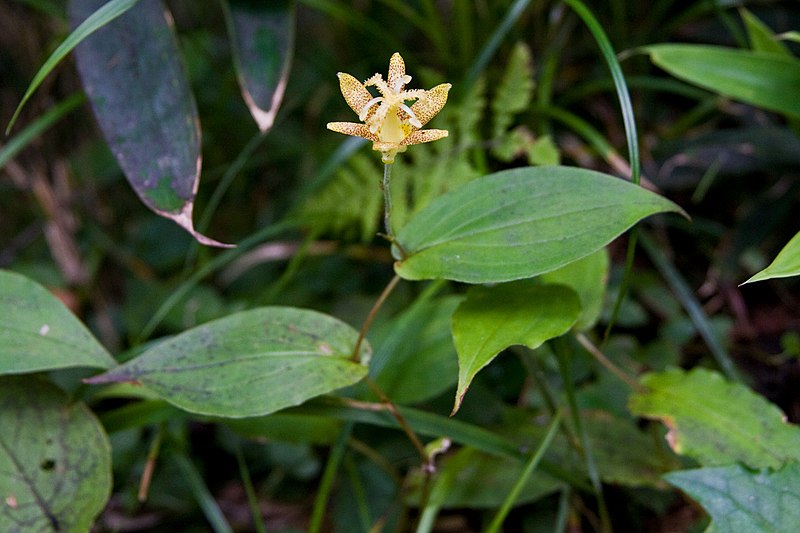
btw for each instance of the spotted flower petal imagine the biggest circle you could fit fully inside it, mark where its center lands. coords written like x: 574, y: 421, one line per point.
x: 389, y: 122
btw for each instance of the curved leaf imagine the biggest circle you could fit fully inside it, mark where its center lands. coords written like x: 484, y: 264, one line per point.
x: 55, y: 459
x: 787, y: 263
x: 764, y: 79
x: 715, y: 421
x: 38, y: 333
x: 139, y: 91
x: 520, y: 223
x: 739, y: 500
x: 494, y: 318
x: 588, y: 278
x: 262, y: 38
x: 248, y: 364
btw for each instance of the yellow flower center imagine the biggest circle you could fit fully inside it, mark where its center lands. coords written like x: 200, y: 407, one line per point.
x: 393, y: 120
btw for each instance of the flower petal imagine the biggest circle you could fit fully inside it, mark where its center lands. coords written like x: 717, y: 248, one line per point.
x: 431, y: 103
x: 354, y: 92
x: 424, y: 136
x: 397, y: 70
x: 352, y: 128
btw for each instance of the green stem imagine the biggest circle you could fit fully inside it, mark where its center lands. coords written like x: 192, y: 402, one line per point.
x: 530, y: 467
x: 387, y: 201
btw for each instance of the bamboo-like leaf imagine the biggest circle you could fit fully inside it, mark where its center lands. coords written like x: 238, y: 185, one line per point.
x: 38, y: 333
x: 55, y: 459
x: 250, y: 363
x: 785, y: 265
x: 763, y: 79
x: 132, y: 72
x: 262, y: 38
x: 520, y: 223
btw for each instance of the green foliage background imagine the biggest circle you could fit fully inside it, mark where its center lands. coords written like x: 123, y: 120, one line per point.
x: 605, y: 385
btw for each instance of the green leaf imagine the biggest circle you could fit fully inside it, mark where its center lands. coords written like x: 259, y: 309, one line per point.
x: 740, y: 500
x: 38, y: 333
x: 139, y: 91
x: 588, y: 278
x: 762, y: 79
x: 520, y: 223
x: 104, y: 14
x: 262, y: 39
x: 762, y: 39
x: 249, y: 364
x: 785, y: 265
x: 55, y: 459
x: 39, y: 126
x: 717, y: 422
x: 494, y: 318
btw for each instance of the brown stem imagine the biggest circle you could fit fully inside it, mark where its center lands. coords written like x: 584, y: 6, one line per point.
x: 371, y: 316
x: 402, y: 422
x: 606, y: 362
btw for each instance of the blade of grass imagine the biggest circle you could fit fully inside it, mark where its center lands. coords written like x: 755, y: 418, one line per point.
x: 607, y: 51
x: 491, y: 46
x: 328, y: 477
x: 210, y: 267
x: 692, y: 306
x: 247, y: 482
x: 219, y: 191
x: 530, y: 467
x: 96, y: 20
x: 203, y: 496
x: 431, y: 425
x: 41, y: 124
x: 563, y: 356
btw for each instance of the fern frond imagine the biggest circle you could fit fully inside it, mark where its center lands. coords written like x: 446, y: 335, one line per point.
x: 514, y: 91
x: 350, y: 205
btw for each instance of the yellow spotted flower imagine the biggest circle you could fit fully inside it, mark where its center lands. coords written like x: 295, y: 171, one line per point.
x: 389, y: 122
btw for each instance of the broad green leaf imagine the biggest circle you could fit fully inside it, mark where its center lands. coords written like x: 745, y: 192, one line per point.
x: 717, y: 422
x: 785, y: 265
x: 762, y: 38
x: 520, y: 223
x: 740, y: 500
x: 416, y: 360
x: 250, y: 363
x: 38, y: 332
x: 588, y: 278
x: 55, y: 459
x: 132, y: 73
x: 762, y: 79
x: 262, y: 39
x: 494, y: 318
x: 104, y: 14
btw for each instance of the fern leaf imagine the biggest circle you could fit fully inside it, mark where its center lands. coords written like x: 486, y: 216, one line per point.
x: 514, y: 91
